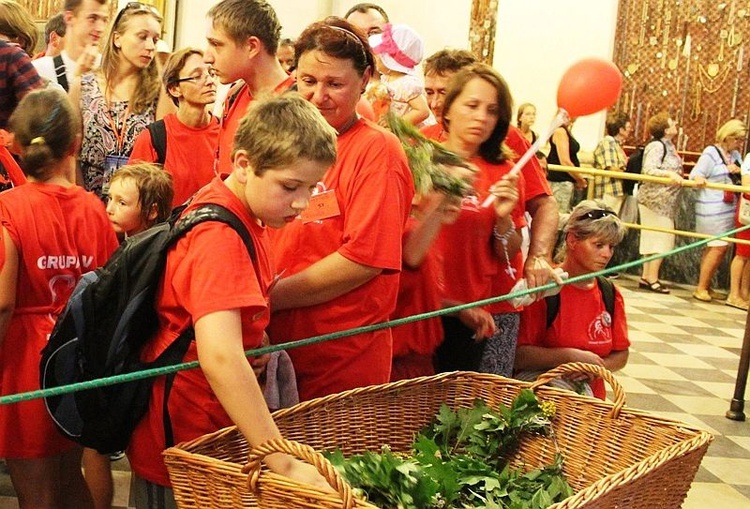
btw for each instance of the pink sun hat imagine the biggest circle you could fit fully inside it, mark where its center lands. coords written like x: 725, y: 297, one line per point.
x: 399, y: 47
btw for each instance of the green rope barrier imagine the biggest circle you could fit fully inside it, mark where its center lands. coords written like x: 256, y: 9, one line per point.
x: 154, y: 372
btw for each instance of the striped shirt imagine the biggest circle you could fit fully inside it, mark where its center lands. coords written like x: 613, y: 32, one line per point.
x: 18, y: 77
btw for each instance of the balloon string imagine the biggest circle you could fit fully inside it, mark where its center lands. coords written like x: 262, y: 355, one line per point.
x: 561, y: 118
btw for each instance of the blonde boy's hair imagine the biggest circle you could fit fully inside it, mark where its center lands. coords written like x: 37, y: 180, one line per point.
x: 155, y: 191
x: 278, y: 132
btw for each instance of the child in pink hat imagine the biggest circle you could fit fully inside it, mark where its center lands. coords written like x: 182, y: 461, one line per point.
x: 398, y: 52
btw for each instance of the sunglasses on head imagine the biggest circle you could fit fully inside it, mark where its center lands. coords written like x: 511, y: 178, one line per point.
x: 597, y: 214
x: 136, y: 6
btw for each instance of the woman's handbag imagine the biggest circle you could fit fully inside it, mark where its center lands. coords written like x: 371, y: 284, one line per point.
x: 629, y: 210
x: 743, y: 215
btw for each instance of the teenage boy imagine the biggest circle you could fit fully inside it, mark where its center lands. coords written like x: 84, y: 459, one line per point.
x: 243, y: 36
x: 86, y: 22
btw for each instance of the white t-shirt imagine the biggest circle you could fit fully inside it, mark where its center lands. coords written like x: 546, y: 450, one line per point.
x: 45, y: 66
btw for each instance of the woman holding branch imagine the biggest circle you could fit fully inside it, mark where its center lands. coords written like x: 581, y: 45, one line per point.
x: 481, y: 249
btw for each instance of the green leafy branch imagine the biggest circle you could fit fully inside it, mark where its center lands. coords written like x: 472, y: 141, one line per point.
x: 461, y: 460
x: 429, y: 161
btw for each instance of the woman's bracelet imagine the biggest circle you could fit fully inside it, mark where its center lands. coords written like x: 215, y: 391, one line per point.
x: 504, y: 238
x: 506, y: 235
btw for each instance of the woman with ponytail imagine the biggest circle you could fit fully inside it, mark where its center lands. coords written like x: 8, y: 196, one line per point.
x: 51, y: 232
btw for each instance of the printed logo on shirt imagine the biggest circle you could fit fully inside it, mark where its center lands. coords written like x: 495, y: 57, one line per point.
x: 471, y: 203
x: 600, y: 330
x: 60, y: 287
x: 64, y: 262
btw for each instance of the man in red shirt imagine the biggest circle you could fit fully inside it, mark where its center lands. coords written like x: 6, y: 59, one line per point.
x: 243, y: 36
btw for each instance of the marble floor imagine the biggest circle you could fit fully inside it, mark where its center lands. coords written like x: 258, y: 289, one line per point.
x: 683, y: 365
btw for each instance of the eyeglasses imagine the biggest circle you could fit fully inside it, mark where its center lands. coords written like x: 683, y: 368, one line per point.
x: 136, y: 6
x: 203, y: 78
x: 597, y: 214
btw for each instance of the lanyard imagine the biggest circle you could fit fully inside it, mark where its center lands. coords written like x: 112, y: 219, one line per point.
x: 119, y: 134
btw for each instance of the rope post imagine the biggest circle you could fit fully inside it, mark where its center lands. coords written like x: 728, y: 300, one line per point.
x: 736, y: 410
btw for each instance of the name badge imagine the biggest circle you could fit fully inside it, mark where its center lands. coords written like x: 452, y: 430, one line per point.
x: 111, y: 165
x: 322, y: 206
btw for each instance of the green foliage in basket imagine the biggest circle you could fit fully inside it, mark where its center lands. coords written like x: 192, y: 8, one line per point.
x: 461, y: 460
x: 428, y: 160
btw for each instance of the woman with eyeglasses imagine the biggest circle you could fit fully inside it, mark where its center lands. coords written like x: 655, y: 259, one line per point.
x: 184, y: 142
x: 341, y: 259
x: 589, y: 324
x: 120, y: 99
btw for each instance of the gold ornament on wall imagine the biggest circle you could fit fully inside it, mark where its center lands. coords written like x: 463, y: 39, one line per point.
x: 482, y: 29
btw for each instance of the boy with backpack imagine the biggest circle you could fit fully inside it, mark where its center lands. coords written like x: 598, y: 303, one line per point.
x: 282, y: 149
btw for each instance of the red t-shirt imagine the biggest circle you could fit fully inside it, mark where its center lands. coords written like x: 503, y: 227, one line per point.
x: 190, y: 155
x: 60, y: 233
x: 533, y: 174
x: 373, y: 188
x: 418, y: 292
x: 582, y: 322
x: 196, y: 283
x: 472, y: 269
x: 231, y: 118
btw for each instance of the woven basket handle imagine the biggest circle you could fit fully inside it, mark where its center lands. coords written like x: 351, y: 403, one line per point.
x: 303, y: 452
x: 592, y: 369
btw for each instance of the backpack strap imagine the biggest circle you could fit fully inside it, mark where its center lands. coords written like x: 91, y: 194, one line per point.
x: 606, y: 288
x: 663, y: 154
x: 553, y: 308
x: 177, y: 350
x: 158, y: 132
x: 62, y: 77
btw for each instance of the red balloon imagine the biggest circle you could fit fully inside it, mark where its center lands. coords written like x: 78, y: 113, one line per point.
x: 588, y: 86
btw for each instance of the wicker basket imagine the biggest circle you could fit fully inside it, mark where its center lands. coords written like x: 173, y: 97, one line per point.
x: 614, y: 457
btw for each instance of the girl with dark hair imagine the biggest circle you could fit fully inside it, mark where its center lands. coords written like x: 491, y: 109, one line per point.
x: 482, y: 248
x: 342, y: 259
x: 52, y: 232
x: 564, y: 151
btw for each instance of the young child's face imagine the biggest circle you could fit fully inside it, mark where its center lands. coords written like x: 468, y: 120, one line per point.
x: 124, y: 207
x: 279, y: 195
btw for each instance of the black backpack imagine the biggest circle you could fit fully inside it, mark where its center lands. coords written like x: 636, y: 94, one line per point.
x: 158, y: 132
x: 607, y: 289
x: 109, y: 318
x: 635, y: 165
